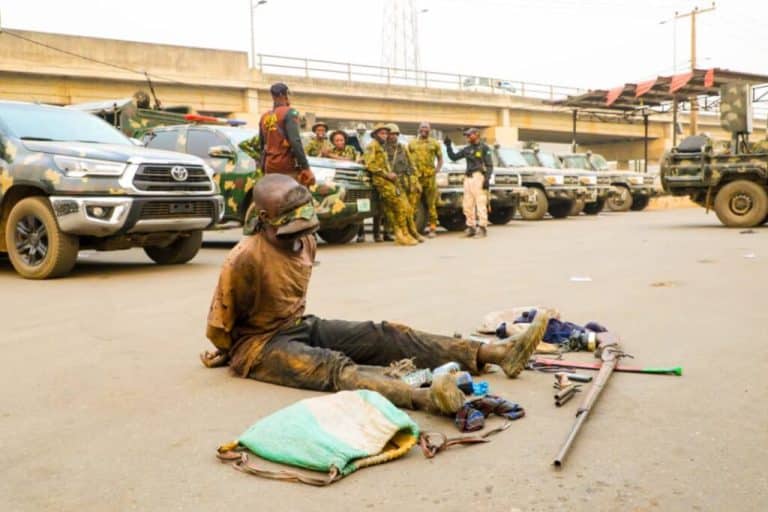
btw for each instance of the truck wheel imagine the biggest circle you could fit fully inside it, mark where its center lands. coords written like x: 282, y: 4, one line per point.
x: 536, y: 210
x: 577, y: 208
x: 594, y: 208
x: 501, y: 216
x: 622, y: 201
x: 180, y: 251
x: 36, y: 246
x: 560, y: 210
x: 453, y: 222
x: 741, y: 204
x: 639, y: 203
x: 338, y: 236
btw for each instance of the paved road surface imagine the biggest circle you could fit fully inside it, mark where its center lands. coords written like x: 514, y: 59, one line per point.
x: 105, y: 406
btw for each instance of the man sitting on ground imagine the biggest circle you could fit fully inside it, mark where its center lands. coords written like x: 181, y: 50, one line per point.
x: 257, y: 321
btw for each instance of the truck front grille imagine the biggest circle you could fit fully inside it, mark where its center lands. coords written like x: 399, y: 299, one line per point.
x: 158, y: 178
x: 603, y: 180
x: 176, y: 209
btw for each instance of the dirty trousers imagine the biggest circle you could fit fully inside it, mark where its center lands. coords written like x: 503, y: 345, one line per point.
x: 335, y: 355
x: 394, y: 204
x: 475, y: 198
x: 428, y: 183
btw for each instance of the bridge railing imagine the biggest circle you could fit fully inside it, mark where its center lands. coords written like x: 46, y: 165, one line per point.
x: 379, y: 75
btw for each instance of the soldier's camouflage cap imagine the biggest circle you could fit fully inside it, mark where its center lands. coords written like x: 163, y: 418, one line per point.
x: 379, y: 127
x: 300, y: 220
x: 393, y: 128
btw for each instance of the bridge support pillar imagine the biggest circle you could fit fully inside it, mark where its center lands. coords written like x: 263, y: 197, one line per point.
x: 251, y: 108
x: 504, y: 135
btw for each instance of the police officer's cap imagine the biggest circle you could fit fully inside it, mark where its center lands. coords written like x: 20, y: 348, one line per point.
x: 379, y: 127
x: 318, y: 124
x: 470, y: 131
x: 393, y: 128
x: 278, y: 89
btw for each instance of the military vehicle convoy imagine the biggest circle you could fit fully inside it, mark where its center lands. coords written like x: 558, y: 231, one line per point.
x: 69, y: 181
x: 506, y: 194
x: 631, y: 190
x: 732, y: 179
x: 554, y: 191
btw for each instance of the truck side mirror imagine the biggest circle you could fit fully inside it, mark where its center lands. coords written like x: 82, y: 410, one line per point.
x: 221, y: 152
x: 3, y: 146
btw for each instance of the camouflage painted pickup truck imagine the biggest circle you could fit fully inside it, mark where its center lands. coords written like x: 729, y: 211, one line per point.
x: 632, y: 190
x: 69, y: 181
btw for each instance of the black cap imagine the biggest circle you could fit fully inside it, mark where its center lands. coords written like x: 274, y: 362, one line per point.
x: 278, y: 89
x: 470, y: 131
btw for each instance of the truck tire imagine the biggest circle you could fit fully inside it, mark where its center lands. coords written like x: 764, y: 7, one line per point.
x: 501, y: 216
x: 537, y: 210
x: 622, y: 201
x: 36, y: 246
x: 560, y: 209
x: 594, y: 208
x: 339, y: 236
x: 180, y: 251
x: 577, y: 208
x: 453, y: 222
x: 741, y: 204
x: 640, y: 203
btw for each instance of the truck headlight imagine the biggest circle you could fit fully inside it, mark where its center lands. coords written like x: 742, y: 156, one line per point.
x: 323, y: 174
x: 78, y: 167
x: 588, y: 180
x: 555, y: 179
x: 636, y: 180
x: 441, y: 179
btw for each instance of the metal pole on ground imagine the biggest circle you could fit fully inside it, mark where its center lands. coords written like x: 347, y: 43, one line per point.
x: 573, y: 131
x: 645, y: 141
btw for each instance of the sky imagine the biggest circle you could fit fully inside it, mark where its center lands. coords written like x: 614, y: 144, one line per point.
x: 582, y: 43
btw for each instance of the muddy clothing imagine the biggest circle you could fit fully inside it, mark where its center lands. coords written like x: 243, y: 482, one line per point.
x: 256, y: 316
x: 348, y: 153
x: 401, y: 164
x: 280, y: 142
x: 261, y: 290
x: 424, y: 154
x: 478, y: 157
x: 475, y: 200
x: 316, y: 147
x: 334, y: 355
x: 393, y: 201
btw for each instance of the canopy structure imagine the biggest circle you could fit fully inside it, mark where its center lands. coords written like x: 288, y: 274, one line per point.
x: 661, y: 95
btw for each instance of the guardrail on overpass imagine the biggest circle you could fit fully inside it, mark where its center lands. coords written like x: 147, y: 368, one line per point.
x: 357, y: 73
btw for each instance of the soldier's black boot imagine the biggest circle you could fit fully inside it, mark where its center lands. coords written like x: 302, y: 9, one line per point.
x: 470, y: 232
x: 361, y: 234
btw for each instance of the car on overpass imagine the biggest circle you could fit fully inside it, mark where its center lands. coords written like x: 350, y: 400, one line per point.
x: 70, y: 181
x: 633, y: 190
x: 555, y: 191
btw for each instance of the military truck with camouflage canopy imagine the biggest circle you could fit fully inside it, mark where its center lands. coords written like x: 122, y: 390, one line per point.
x: 506, y: 193
x: 69, y: 181
x: 230, y: 149
x: 554, y: 191
x: 733, y: 178
x: 631, y: 190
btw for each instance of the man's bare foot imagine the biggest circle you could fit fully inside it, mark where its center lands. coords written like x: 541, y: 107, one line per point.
x: 214, y: 358
x: 443, y: 397
x: 521, y: 347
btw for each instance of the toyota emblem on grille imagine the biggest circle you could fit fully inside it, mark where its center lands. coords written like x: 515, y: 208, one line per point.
x: 179, y: 173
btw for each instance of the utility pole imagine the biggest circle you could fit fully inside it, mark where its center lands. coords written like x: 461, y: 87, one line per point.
x: 253, y: 30
x: 694, y: 117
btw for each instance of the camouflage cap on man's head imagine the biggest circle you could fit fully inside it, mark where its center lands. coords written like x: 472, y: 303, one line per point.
x: 393, y: 128
x: 379, y: 127
x: 318, y: 124
x: 278, y: 89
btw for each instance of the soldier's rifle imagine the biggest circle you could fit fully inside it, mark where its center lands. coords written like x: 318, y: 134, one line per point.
x: 610, y: 355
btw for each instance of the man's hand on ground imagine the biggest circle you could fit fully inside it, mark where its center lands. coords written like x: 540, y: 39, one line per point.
x: 306, y: 178
x: 214, y: 358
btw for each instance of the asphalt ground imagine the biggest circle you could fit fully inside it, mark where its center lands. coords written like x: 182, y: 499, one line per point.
x: 104, y: 405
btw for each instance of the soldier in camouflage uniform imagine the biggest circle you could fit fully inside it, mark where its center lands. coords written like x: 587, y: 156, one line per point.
x: 319, y: 145
x: 393, y: 201
x: 339, y: 148
x: 424, y: 152
x: 401, y: 165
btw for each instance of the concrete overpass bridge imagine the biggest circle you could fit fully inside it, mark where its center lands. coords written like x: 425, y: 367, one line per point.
x: 60, y: 69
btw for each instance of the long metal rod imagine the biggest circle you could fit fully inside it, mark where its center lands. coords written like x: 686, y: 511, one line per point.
x: 645, y: 142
